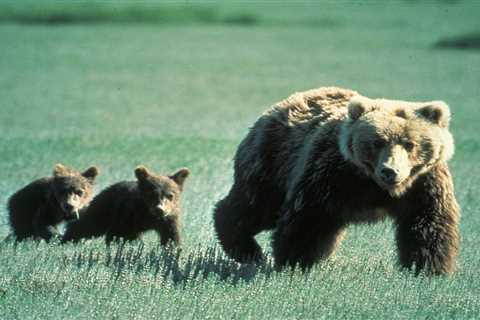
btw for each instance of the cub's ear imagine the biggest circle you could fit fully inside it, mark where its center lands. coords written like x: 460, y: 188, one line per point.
x: 142, y: 173
x: 91, y: 173
x: 358, y: 106
x: 437, y: 112
x: 60, y: 170
x: 180, y: 176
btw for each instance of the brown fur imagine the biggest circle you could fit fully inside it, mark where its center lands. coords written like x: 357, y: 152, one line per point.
x: 129, y: 208
x: 37, y: 209
x: 323, y: 159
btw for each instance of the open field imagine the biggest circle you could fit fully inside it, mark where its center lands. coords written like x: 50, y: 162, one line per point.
x: 167, y: 95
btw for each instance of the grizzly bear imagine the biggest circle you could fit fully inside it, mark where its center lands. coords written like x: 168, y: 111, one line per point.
x: 129, y: 208
x: 36, y: 210
x: 327, y: 158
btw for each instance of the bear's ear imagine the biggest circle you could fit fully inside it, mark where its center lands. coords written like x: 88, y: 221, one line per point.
x: 437, y: 112
x: 180, y: 176
x: 60, y: 170
x: 358, y: 106
x: 91, y: 173
x: 142, y: 173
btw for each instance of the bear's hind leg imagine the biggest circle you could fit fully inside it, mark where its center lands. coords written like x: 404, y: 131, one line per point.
x: 303, y: 241
x: 236, y: 224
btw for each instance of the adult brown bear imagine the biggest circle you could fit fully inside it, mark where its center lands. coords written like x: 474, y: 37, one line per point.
x: 326, y: 158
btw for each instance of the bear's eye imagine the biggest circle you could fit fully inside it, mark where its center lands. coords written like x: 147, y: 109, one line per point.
x: 169, y: 195
x: 78, y: 192
x: 379, y: 143
x: 409, y: 145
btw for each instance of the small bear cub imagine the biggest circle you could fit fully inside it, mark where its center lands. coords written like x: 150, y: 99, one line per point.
x: 129, y: 208
x: 36, y: 210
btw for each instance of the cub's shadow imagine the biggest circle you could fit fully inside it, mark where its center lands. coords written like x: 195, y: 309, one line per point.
x: 169, y: 264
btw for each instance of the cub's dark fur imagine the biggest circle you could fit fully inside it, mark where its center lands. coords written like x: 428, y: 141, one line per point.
x: 35, y: 210
x: 129, y: 208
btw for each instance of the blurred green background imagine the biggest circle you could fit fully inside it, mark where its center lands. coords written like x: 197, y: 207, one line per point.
x: 122, y: 83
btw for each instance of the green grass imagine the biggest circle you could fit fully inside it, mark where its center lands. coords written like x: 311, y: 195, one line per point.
x: 97, y: 11
x: 178, y: 94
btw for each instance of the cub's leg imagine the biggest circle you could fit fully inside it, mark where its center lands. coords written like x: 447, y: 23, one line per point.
x: 428, y: 225
x: 169, y: 232
x: 86, y: 227
x: 43, y: 229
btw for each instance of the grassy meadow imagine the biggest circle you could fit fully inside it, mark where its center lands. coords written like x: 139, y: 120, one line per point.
x: 118, y: 84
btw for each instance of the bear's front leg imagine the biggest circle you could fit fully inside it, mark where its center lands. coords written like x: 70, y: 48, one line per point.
x: 428, y: 225
x: 304, y: 237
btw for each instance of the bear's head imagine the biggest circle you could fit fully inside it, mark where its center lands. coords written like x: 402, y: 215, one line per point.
x: 161, y: 193
x: 72, y: 189
x: 394, y: 142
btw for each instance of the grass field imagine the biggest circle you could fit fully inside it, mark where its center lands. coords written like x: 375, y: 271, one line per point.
x: 183, y: 92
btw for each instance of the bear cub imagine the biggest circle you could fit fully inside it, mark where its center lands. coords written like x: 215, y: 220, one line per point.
x: 36, y: 210
x: 129, y: 208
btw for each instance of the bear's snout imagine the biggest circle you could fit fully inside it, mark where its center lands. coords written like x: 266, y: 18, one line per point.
x: 389, y: 175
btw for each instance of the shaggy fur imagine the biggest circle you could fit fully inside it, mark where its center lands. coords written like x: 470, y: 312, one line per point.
x: 129, y: 208
x: 37, y: 209
x: 323, y: 159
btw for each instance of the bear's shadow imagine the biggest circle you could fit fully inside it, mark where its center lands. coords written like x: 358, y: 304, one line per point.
x: 170, y: 265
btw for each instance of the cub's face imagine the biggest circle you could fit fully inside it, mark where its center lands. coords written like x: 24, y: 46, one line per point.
x: 73, y: 190
x: 395, y: 141
x: 160, y: 193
